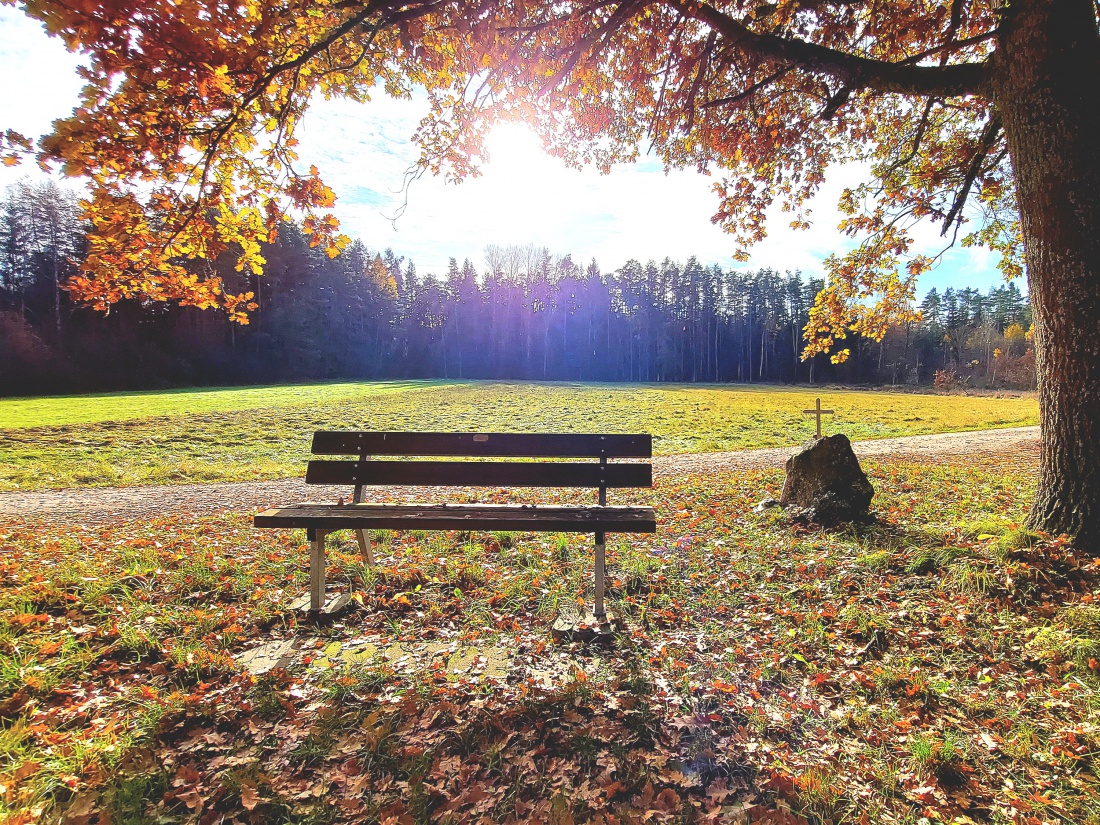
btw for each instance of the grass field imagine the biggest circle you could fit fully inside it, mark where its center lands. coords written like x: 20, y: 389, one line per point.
x: 939, y: 666
x: 53, y: 411
x: 264, y: 432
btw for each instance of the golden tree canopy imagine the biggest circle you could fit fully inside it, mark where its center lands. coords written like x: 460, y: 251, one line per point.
x: 186, y: 126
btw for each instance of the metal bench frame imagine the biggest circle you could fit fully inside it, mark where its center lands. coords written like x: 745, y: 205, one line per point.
x: 319, y: 519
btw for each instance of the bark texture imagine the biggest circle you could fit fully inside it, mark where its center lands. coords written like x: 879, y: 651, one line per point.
x: 1046, y: 89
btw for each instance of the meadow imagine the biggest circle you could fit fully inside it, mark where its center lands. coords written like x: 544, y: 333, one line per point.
x: 239, y: 434
x: 940, y: 665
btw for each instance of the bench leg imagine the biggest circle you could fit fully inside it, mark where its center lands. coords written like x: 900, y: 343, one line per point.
x: 598, y: 608
x: 361, y: 535
x: 317, y: 571
x: 365, y: 547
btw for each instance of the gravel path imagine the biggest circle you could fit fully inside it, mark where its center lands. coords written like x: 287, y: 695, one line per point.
x: 938, y: 444
x: 101, y: 505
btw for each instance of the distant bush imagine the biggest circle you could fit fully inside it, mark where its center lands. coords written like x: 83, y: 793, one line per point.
x: 1018, y: 373
x: 27, y: 362
x: 948, y: 380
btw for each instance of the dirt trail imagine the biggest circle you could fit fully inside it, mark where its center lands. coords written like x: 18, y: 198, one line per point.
x: 101, y: 505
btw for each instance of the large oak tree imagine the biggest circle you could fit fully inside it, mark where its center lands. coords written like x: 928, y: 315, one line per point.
x: 979, y: 115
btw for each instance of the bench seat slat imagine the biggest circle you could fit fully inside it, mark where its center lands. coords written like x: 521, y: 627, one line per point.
x: 519, y: 517
x: 515, y: 445
x: 479, y: 473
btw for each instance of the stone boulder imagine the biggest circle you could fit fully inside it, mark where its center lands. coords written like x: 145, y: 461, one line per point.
x: 825, y: 484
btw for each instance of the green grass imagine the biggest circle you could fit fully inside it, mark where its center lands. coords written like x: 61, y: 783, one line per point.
x: 264, y: 433
x: 847, y: 676
x: 60, y: 410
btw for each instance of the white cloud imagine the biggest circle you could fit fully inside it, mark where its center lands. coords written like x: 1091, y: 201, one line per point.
x: 40, y: 82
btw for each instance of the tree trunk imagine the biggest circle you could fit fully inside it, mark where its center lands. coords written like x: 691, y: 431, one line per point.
x: 1046, y: 90
x: 57, y: 293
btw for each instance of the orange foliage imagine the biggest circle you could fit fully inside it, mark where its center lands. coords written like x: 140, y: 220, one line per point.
x: 187, y: 124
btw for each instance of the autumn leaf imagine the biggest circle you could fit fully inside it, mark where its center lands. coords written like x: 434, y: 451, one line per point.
x: 250, y: 797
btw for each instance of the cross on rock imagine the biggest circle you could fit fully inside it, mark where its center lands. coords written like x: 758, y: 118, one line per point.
x: 817, y: 411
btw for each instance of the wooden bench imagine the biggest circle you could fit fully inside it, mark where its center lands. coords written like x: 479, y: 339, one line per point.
x: 366, y: 469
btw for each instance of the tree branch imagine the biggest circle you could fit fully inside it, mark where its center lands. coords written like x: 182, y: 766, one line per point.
x: 918, y: 136
x: 749, y: 92
x: 664, y: 80
x: 700, y: 70
x: 620, y: 15
x: 849, y: 69
x: 989, y: 136
x: 834, y: 102
x: 945, y: 49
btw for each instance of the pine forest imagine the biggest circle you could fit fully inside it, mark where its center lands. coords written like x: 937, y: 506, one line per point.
x: 522, y: 313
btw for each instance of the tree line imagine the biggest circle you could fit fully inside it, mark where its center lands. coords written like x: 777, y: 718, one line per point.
x: 524, y: 314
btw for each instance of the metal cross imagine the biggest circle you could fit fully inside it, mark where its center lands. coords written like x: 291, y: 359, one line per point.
x: 818, y: 412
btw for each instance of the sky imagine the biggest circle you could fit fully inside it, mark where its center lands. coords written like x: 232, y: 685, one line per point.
x: 523, y: 196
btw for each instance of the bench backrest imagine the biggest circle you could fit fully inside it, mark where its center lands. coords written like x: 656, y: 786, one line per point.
x: 367, y: 446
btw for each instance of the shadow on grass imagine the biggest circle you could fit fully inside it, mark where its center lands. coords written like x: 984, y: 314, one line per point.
x: 435, y: 751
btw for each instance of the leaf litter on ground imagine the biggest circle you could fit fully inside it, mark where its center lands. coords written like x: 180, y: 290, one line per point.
x: 940, y: 665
